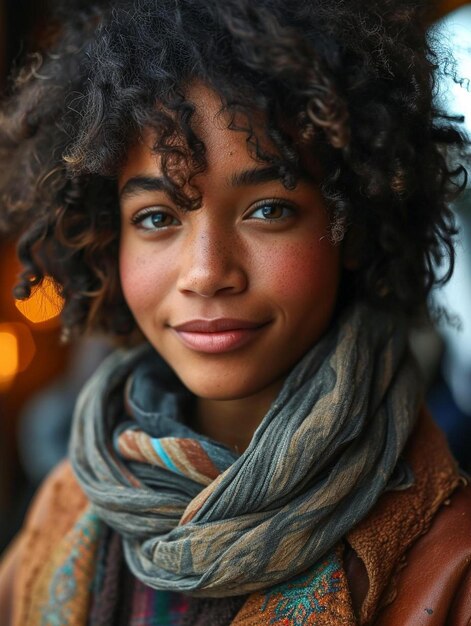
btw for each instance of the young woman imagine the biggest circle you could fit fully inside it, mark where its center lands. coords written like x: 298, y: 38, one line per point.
x: 252, y: 197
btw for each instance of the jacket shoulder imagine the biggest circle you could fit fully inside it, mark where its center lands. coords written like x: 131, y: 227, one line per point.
x: 433, y: 587
x: 54, y: 509
x: 57, y: 502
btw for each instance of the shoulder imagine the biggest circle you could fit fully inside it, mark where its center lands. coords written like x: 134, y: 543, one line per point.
x: 434, y: 585
x: 58, y: 500
x: 55, y: 507
x: 451, y: 527
x: 416, y: 543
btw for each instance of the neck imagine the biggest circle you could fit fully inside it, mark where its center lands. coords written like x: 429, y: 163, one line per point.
x: 233, y: 422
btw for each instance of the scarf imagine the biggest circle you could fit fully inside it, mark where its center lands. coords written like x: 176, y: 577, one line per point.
x: 197, y: 518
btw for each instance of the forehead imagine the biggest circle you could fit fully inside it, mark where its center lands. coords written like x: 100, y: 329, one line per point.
x: 224, y: 135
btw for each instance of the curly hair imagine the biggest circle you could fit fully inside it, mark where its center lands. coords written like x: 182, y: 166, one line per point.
x: 355, y: 80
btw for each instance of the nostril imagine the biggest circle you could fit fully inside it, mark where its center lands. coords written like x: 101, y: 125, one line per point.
x: 208, y: 282
x: 212, y: 262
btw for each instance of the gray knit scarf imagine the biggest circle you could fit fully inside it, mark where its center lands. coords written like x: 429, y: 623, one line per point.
x: 197, y: 518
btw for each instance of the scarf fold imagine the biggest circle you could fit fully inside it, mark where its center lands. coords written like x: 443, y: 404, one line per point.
x: 198, y: 519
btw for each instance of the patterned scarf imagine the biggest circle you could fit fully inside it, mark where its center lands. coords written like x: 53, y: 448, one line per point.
x: 198, y: 519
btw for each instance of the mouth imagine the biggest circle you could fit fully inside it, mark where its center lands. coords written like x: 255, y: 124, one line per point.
x: 219, y: 335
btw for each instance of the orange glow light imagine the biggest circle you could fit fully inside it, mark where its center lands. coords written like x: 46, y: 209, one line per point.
x: 17, y: 350
x: 9, y: 358
x: 44, y: 303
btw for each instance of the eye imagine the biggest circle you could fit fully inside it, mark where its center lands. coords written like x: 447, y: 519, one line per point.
x: 154, y: 219
x: 271, y: 210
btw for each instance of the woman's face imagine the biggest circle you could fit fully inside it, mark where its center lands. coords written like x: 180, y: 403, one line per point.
x: 233, y: 294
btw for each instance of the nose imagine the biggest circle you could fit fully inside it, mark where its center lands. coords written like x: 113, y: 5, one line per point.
x: 212, y: 264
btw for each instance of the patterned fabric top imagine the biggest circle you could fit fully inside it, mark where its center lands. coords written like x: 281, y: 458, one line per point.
x: 150, y: 608
x: 167, y: 608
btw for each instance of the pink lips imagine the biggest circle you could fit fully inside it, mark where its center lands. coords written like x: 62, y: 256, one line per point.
x: 219, y: 335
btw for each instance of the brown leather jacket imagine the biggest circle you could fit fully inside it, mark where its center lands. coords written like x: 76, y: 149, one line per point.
x: 432, y: 582
x: 408, y: 563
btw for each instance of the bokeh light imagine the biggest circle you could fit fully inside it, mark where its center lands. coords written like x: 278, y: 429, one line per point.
x: 9, y: 358
x: 17, y: 350
x: 43, y: 305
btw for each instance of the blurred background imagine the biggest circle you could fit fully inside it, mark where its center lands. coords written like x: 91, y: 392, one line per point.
x: 40, y: 377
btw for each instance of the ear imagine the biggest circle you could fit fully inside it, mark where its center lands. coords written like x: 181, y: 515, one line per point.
x: 351, y: 248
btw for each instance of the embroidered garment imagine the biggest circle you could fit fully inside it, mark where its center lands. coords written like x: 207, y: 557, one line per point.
x: 325, y: 451
x: 61, y: 593
x: 319, y: 597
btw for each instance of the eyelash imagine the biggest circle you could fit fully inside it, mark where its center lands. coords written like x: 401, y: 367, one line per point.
x: 273, y: 202
x: 139, y: 218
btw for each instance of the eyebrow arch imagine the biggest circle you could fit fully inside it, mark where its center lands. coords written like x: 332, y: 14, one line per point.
x: 255, y: 176
x: 139, y: 184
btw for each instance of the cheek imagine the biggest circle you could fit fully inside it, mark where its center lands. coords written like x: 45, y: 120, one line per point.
x: 300, y: 273
x: 138, y: 280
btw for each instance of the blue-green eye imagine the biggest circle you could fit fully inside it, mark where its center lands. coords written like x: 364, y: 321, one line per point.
x: 271, y: 210
x: 154, y: 220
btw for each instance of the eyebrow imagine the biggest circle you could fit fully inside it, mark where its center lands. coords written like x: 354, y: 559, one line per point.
x: 139, y: 184
x: 255, y: 176
x: 245, y: 178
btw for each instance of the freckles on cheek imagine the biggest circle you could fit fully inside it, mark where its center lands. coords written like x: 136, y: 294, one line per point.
x: 136, y: 280
x: 298, y: 270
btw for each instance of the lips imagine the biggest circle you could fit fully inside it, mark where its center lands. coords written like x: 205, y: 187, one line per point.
x: 218, y: 335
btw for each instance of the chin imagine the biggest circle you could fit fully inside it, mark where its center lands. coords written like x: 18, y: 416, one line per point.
x: 215, y: 389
